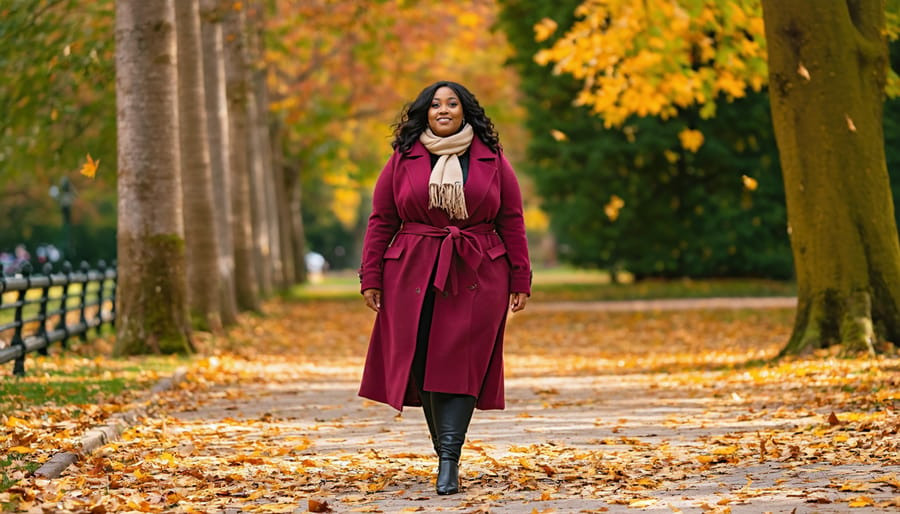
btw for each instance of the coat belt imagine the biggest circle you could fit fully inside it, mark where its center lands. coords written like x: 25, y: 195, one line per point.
x: 457, y: 241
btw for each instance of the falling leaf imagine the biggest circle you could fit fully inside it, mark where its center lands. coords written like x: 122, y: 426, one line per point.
x: 750, y: 183
x: 89, y: 168
x: 612, y: 208
x: 558, y: 135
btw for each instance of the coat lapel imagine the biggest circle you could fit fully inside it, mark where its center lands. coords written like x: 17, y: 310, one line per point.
x: 482, y: 169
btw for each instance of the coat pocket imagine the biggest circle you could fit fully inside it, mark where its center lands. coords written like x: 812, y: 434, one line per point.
x: 497, y: 251
x: 393, y: 252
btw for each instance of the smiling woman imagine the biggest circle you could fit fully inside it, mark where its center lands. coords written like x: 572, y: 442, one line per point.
x: 446, y: 212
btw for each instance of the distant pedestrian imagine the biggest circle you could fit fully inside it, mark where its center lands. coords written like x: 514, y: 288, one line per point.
x: 444, y: 258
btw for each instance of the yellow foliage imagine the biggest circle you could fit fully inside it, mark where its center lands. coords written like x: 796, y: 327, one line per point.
x: 544, y: 29
x: 651, y: 58
x: 691, y: 139
x: 536, y: 219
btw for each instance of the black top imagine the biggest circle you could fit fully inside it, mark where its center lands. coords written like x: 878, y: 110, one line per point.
x: 463, y: 163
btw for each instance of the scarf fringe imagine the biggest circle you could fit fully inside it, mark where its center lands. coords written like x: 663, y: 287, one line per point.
x: 445, y: 186
x: 449, y: 197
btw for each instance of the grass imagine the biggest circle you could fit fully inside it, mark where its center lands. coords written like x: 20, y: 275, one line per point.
x: 566, y: 284
x: 77, y: 378
x: 10, y: 464
x: 67, y: 384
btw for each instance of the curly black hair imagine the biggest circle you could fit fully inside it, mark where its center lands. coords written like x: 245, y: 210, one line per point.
x: 414, y: 118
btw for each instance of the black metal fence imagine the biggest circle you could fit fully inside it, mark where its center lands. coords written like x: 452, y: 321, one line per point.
x: 39, y: 310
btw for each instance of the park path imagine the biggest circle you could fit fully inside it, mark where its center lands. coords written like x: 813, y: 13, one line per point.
x: 609, y: 442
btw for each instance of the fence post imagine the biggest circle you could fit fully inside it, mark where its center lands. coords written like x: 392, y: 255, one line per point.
x: 101, y: 265
x: 64, y: 305
x: 113, y: 291
x: 42, y: 313
x: 19, y: 366
x: 82, y: 317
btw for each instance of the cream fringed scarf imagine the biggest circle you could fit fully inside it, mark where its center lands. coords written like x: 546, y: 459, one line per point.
x: 445, y: 186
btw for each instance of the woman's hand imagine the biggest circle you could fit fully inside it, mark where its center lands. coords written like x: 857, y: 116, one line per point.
x: 517, y: 301
x: 373, y: 299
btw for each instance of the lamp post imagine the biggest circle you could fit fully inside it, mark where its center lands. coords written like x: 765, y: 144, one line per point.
x: 64, y: 194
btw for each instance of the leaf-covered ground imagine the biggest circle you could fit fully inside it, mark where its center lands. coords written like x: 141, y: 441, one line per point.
x: 657, y: 411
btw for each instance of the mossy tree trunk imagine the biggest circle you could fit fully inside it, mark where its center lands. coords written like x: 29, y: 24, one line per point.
x: 151, y: 296
x: 827, y: 69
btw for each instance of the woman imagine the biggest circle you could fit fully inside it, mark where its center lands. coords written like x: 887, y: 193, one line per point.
x: 443, y: 258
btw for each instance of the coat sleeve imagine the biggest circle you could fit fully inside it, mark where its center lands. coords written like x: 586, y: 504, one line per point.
x: 384, y: 222
x: 510, y: 225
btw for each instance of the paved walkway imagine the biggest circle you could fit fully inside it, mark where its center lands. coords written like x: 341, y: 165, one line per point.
x: 615, y: 443
x: 281, y: 435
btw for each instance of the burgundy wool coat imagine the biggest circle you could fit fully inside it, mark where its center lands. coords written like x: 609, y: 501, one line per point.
x: 477, y: 263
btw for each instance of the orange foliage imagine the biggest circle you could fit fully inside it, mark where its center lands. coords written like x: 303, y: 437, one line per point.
x: 341, y: 70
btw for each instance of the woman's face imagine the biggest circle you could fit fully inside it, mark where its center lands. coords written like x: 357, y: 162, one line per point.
x: 445, y: 116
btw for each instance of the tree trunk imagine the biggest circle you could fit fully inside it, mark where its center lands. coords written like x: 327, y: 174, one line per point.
x: 151, y: 295
x: 293, y: 188
x: 827, y: 68
x: 283, y: 208
x: 196, y: 175
x: 238, y: 92
x: 258, y: 141
x: 211, y: 15
x: 273, y: 221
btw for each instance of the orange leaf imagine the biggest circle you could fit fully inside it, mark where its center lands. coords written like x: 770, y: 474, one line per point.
x: 89, y: 168
x: 314, y: 505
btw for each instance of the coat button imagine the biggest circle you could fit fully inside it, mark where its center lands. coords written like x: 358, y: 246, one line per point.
x: 473, y: 287
x: 418, y: 290
x: 445, y: 294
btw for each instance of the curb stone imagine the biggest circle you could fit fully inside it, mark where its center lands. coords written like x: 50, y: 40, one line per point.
x: 99, y: 436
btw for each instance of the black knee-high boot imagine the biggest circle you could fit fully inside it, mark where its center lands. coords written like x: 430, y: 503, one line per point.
x: 428, y: 410
x: 452, y: 414
x: 418, y: 366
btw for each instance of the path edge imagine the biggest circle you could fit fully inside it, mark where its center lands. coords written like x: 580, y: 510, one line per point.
x: 111, y: 431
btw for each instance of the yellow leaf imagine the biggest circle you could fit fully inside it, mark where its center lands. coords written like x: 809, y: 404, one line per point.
x: 645, y: 502
x: 750, y: 183
x: 691, y: 139
x: 89, y: 168
x: 544, y: 29
x: 21, y: 449
x: 727, y: 450
x: 559, y: 135
x: 16, y: 422
x: 861, y: 501
x: 855, y: 486
x: 612, y: 208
